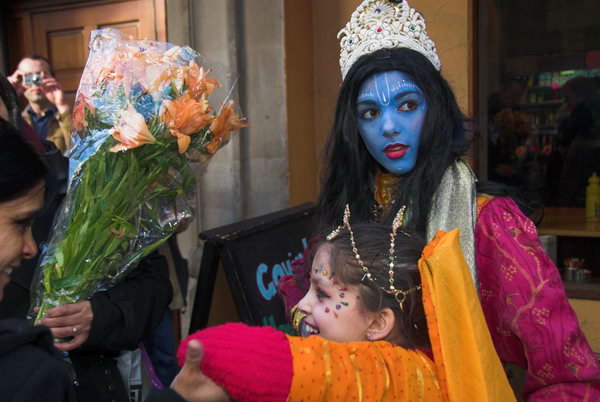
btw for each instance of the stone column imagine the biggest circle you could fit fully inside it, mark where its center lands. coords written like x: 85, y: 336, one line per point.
x: 249, y: 177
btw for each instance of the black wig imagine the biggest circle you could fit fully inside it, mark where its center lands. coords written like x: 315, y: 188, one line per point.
x: 350, y: 169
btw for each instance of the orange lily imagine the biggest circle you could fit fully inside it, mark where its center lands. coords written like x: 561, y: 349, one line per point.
x: 185, y: 116
x: 131, y: 131
x: 222, y: 126
x: 197, y: 81
x: 78, y: 116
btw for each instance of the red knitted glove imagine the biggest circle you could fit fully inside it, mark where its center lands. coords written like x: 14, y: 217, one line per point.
x: 250, y: 363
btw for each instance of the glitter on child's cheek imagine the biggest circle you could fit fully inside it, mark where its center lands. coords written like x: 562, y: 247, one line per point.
x: 327, y: 309
x: 342, y: 295
x: 325, y: 273
x: 345, y: 304
x: 337, y: 307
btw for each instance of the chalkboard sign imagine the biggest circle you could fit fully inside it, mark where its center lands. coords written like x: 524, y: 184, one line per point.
x: 255, y: 254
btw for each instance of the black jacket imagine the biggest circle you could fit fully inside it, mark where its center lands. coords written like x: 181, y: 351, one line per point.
x: 31, y: 368
x: 123, y: 317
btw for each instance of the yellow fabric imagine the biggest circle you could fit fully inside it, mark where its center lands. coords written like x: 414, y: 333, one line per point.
x: 467, y: 363
x: 482, y: 201
x: 360, y: 371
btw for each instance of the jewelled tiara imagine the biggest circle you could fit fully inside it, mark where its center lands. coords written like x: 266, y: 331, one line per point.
x: 384, y: 24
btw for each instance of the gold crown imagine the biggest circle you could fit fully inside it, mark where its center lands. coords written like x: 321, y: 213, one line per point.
x: 380, y: 24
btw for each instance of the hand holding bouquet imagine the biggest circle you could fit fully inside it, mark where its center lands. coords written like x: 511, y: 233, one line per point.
x: 141, y: 116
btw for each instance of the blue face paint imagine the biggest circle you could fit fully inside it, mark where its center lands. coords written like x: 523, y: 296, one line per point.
x: 390, y: 112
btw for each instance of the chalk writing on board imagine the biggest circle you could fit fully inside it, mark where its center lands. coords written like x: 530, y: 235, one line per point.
x: 268, y: 278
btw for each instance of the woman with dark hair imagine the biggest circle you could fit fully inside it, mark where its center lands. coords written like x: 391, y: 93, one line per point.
x: 21, y: 198
x: 442, y: 142
x: 398, y: 139
x: 32, y: 369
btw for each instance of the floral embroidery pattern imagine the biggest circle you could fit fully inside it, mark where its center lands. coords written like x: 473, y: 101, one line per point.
x: 508, y: 271
x: 486, y: 294
x: 541, y: 314
x: 524, y: 302
x: 546, y: 372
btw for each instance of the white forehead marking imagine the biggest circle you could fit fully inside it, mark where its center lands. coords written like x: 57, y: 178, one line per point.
x: 402, y: 84
x: 367, y: 93
x: 385, y: 94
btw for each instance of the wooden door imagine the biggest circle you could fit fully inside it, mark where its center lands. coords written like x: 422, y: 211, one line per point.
x: 61, y: 32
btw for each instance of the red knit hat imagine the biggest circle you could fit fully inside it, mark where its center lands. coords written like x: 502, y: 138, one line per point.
x: 250, y: 363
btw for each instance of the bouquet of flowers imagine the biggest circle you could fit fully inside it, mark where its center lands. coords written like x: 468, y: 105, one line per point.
x: 141, y: 117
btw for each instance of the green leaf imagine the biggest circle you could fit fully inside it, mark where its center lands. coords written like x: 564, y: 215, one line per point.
x: 113, y: 245
x: 68, y: 282
x: 60, y: 258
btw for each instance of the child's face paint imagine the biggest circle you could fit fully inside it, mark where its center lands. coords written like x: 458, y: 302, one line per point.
x: 333, y: 310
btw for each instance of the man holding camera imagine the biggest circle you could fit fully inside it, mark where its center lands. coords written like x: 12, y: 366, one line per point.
x: 47, y: 112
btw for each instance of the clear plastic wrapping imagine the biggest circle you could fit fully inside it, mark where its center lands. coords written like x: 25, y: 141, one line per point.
x: 141, y: 116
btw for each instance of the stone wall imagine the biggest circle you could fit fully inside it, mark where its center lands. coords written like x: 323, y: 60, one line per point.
x: 249, y: 177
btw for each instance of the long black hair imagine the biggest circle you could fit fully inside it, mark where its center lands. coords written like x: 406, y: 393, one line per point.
x: 20, y: 166
x: 350, y: 170
x: 21, y: 169
x: 9, y: 97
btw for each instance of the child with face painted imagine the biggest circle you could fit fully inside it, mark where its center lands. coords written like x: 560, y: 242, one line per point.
x: 348, y: 303
x: 385, y: 319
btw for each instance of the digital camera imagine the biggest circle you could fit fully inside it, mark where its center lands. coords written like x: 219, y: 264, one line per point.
x: 32, y: 79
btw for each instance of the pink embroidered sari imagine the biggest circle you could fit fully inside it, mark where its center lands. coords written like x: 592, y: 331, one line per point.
x: 529, y: 317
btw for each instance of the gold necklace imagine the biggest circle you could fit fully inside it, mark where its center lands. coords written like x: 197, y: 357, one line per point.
x: 386, y: 185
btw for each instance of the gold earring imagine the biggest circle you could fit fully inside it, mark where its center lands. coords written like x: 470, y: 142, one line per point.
x: 297, y: 317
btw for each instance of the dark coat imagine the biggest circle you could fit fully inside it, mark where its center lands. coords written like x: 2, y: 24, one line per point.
x: 123, y: 317
x: 31, y: 368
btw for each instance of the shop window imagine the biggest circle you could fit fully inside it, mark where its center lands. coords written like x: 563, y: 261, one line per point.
x: 539, y: 96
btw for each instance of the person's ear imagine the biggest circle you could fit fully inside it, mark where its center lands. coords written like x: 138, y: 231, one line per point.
x: 382, y: 326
